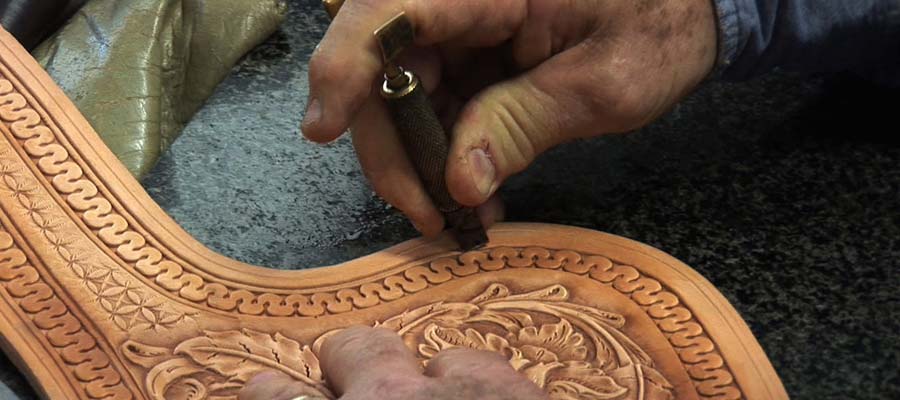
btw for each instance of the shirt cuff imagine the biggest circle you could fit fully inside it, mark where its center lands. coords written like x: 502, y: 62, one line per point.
x: 729, y: 34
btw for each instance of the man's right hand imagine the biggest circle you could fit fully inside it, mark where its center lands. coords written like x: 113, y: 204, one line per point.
x: 510, y: 79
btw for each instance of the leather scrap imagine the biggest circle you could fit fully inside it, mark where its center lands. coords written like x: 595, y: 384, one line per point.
x: 140, y: 69
x: 32, y: 21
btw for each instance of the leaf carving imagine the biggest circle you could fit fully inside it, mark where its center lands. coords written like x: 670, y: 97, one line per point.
x: 239, y: 355
x: 571, y: 351
x: 582, y: 381
x: 410, y: 317
x: 438, y: 339
x: 512, y: 321
x: 559, y: 337
x: 159, y: 379
x: 450, y: 314
x: 602, y: 388
x: 144, y: 355
x: 552, y: 293
x: 493, y: 291
x: 613, y: 319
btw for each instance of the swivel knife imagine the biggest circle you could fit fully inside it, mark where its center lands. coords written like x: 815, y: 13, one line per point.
x: 420, y: 131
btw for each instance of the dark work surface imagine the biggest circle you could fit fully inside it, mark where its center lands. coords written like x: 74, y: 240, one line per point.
x: 784, y: 192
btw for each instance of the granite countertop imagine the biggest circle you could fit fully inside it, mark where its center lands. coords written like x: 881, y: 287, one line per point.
x: 784, y: 192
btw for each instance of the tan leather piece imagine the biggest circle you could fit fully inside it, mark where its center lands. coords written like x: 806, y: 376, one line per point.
x: 103, y: 296
x: 140, y: 69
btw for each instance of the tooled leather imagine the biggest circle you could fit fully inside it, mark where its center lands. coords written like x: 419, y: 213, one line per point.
x: 91, y: 366
x: 704, y: 364
x: 65, y: 209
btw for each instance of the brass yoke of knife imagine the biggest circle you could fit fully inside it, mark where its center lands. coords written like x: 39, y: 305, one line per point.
x: 419, y: 128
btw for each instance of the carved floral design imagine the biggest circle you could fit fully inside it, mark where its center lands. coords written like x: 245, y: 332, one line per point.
x: 56, y: 197
x: 570, y: 350
x: 217, y: 364
x: 574, y: 352
x: 66, y: 177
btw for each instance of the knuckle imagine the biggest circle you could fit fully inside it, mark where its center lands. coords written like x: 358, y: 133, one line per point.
x: 615, y: 98
x: 519, y: 129
x: 348, y: 339
x: 365, y: 7
x: 460, y: 353
x: 382, y: 334
x: 515, y: 12
x: 485, y: 385
x: 628, y: 105
x: 377, y: 342
x: 471, y: 361
x: 393, y: 385
x: 375, y: 168
x: 326, y: 69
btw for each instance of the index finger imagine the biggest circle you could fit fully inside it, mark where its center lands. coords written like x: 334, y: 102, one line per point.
x: 370, y: 363
x: 347, y: 61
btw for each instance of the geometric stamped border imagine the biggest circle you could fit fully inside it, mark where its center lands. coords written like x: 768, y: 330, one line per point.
x: 91, y: 366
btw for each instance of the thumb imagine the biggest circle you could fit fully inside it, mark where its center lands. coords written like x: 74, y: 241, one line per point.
x: 502, y: 129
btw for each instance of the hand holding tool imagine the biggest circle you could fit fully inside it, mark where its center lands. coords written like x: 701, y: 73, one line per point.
x: 420, y: 130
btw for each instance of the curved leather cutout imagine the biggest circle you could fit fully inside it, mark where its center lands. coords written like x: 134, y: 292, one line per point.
x: 102, y: 296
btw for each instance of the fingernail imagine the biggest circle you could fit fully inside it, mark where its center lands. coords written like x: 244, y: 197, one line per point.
x: 262, y: 378
x: 313, y: 112
x: 482, y: 170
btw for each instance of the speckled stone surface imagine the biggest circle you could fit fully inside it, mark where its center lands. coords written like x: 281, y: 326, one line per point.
x: 784, y: 192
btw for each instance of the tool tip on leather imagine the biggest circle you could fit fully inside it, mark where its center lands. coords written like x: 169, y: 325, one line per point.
x: 467, y: 229
x: 471, y: 239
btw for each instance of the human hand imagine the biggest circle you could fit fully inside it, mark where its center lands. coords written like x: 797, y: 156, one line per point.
x: 509, y: 79
x: 374, y: 364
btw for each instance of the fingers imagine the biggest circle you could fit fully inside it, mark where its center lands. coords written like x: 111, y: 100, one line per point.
x: 492, y: 211
x: 362, y: 362
x: 502, y: 129
x: 481, y: 372
x: 347, y: 61
x: 343, y: 67
x: 473, y: 23
x: 374, y: 363
x: 463, y: 362
x: 273, y: 385
x: 388, y: 169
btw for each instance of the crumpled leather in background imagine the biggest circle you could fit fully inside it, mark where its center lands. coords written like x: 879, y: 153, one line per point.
x: 31, y: 21
x: 140, y: 69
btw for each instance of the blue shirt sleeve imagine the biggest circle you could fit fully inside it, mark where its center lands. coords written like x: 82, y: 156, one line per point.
x: 756, y: 36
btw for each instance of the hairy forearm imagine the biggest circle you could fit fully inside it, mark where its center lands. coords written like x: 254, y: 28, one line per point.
x: 756, y: 36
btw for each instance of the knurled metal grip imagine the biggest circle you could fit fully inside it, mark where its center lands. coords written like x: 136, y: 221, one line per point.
x: 421, y: 132
x: 419, y: 129
x: 427, y: 146
x: 423, y: 137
